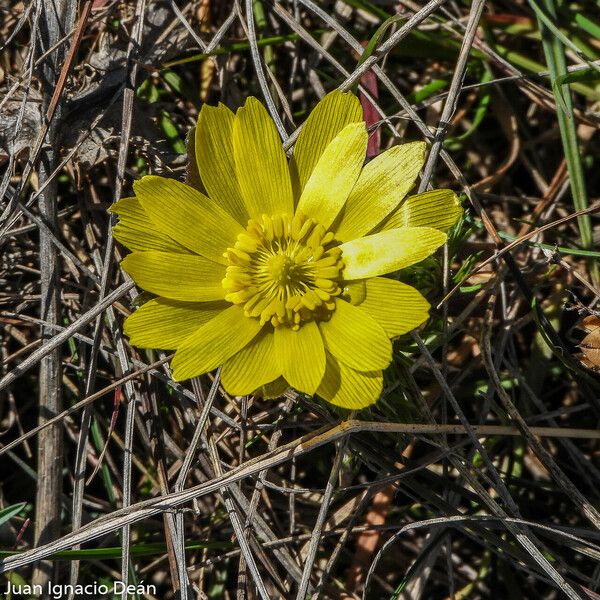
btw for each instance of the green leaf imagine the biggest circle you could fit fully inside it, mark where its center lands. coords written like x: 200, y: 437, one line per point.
x: 561, y: 249
x: 585, y: 75
x: 374, y: 41
x: 427, y: 90
x: 588, y: 25
x: 480, y: 110
x: 11, y: 511
x: 557, y: 65
x: 177, y: 84
x: 171, y: 133
x: 545, y: 20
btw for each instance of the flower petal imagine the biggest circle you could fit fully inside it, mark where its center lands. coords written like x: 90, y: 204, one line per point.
x: 439, y: 209
x: 273, y: 390
x: 136, y: 231
x: 301, y: 356
x: 192, y: 175
x: 213, y: 343
x: 164, y: 323
x: 216, y: 163
x: 389, y: 251
x: 186, y: 277
x: 355, y: 338
x: 335, y: 111
x: 188, y: 216
x: 380, y: 188
x: 355, y: 291
x: 253, y: 366
x: 334, y: 175
x: 397, y: 307
x: 348, y: 388
x: 260, y: 162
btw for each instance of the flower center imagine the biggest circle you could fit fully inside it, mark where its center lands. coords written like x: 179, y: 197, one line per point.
x: 285, y: 270
x: 281, y: 269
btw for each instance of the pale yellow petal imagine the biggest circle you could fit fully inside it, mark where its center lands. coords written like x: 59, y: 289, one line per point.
x: 164, y: 323
x: 186, y: 277
x: 215, y: 159
x: 334, y: 175
x: 380, y: 188
x: 260, y: 162
x: 188, y: 216
x: 253, y: 366
x: 213, y: 343
x: 348, y: 388
x: 355, y: 338
x: 335, y: 111
x: 439, y: 209
x: 301, y: 356
x: 388, y: 251
x: 397, y: 307
x: 136, y: 231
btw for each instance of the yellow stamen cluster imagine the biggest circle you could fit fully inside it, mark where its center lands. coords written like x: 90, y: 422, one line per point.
x: 285, y: 270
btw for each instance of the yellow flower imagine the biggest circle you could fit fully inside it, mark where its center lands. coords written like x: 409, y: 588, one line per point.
x: 274, y: 269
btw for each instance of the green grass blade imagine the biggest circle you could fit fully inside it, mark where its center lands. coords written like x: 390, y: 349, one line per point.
x: 588, y: 25
x: 10, y: 511
x: 238, y: 47
x: 427, y: 90
x: 587, y: 75
x: 557, y: 66
x: 116, y: 552
x: 374, y: 41
x: 561, y: 249
x: 546, y: 21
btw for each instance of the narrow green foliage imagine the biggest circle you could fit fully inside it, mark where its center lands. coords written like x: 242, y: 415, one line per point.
x: 148, y: 91
x: 143, y: 549
x: 11, y: 511
x: 104, y: 470
x: 275, y: 40
x: 178, y: 85
x: 546, y: 21
x: 428, y: 90
x: 588, y: 25
x: 261, y: 24
x: 586, y: 75
x: 171, y: 132
x: 555, y: 57
x: 480, y: 110
x: 375, y: 39
x: 561, y: 249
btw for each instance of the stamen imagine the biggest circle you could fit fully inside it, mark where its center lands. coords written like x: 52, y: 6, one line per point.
x: 284, y: 270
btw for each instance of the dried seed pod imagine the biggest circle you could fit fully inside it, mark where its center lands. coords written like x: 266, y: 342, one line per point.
x: 590, y: 344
